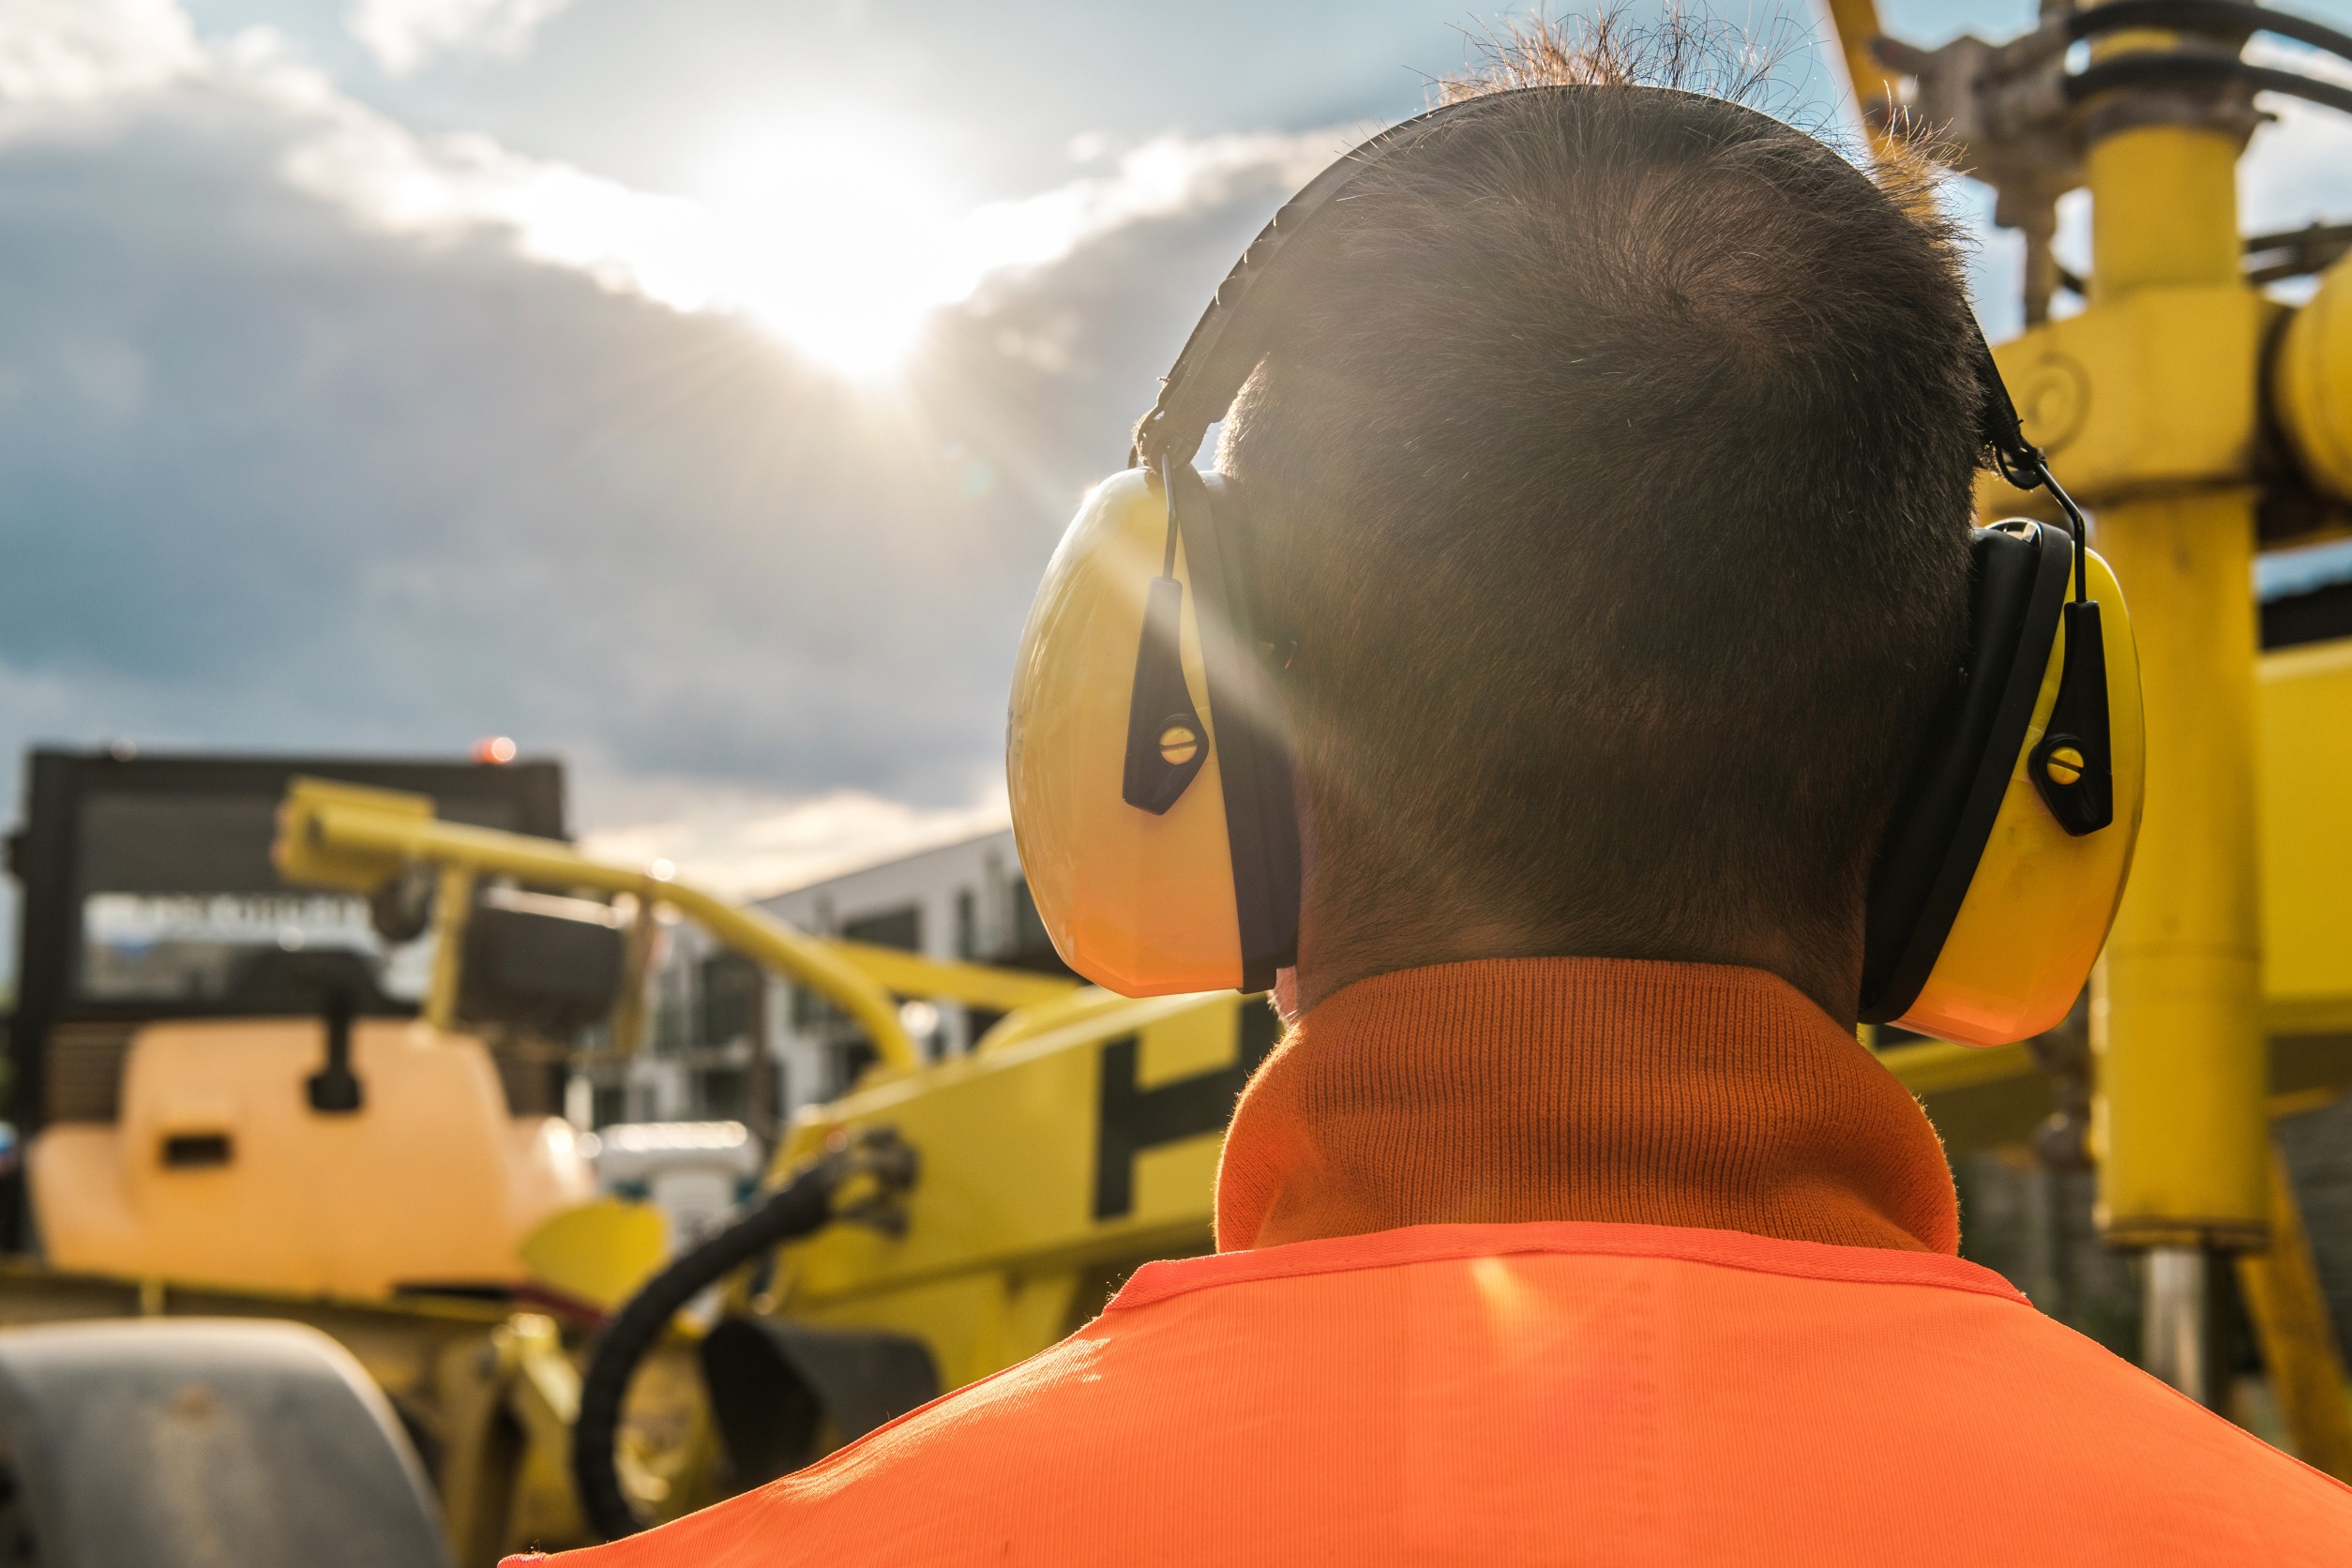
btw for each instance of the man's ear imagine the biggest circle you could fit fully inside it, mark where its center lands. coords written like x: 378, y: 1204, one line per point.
x: 1286, y: 995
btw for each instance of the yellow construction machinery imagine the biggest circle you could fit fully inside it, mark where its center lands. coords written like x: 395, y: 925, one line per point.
x: 234, y: 1117
x: 2197, y: 416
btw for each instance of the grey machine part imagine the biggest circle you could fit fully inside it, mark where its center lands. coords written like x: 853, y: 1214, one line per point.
x: 779, y: 1390
x: 195, y: 1444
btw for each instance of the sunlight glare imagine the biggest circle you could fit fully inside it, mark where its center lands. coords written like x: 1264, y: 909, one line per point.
x: 842, y: 241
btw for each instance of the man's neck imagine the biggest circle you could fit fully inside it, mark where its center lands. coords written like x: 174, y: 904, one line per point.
x: 1580, y: 1089
x: 1333, y: 955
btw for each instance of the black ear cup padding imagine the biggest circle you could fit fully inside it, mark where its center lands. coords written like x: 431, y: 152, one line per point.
x: 2017, y: 584
x: 1251, y: 737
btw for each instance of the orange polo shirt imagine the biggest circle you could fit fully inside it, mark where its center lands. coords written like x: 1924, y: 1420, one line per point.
x: 1555, y: 1262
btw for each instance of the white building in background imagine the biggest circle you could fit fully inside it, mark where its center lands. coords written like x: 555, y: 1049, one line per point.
x: 724, y: 1041
x: 694, y: 1173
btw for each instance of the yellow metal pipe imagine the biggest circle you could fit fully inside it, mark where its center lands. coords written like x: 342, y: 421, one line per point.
x: 1856, y: 24
x: 2178, y: 1123
x: 2298, y: 1336
x: 2311, y: 383
x: 2164, y: 211
x: 340, y: 835
x: 999, y: 991
x: 1939, y: 1067
x: 453, y: 901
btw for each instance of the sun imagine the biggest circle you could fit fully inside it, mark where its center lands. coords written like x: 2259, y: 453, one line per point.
x: 838, y: 237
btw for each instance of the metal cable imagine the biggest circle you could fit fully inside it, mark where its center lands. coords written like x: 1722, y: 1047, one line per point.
x: 2227, y: 18
x: 2164, y: 68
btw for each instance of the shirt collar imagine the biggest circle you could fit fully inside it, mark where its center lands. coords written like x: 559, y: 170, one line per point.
x: 1607, y: 1090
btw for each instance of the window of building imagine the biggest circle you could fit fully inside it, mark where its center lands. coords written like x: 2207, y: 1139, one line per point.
x: 812, y: 1012
x: 730, y: 1000
x: 671, y: 1027
x: 722, y: 1093
x: 847, y: 1052
x: 901, y: 927
x: 844, y: 1064
x: 967, y: 923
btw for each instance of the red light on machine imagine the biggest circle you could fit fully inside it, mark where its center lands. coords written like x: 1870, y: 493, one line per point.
x: 495, y: 750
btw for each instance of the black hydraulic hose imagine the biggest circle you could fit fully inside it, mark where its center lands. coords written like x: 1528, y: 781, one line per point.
x: 801, y: 1207
x: 2163, y: 68
x: 2224, y: 18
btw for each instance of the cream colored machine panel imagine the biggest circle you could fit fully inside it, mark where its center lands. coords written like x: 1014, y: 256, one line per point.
x: 219, y: 1171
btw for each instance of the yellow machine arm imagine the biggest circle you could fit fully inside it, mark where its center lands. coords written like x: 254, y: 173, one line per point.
x: 1856, y: 23
x: 355, y: 838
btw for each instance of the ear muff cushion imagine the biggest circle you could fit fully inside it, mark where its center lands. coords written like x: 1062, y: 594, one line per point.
x: 2018, y: 579
x: 1252, y: 730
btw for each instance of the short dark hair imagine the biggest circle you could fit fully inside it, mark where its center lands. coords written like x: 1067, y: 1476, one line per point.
x: 1613, y: 470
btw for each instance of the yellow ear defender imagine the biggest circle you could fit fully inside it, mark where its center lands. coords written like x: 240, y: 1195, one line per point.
x: 1999, y: 877
x: 1157, y: 829
x: 1149, y: 763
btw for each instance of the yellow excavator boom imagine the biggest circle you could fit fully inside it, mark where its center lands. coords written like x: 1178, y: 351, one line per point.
x: 357, y: 839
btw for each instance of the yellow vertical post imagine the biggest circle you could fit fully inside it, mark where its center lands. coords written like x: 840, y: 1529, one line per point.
x: 453, y: 901
x: 2299, y: 1339
x: 1856, y: 24
x: 2179, y: 1123
x: 637, y: 968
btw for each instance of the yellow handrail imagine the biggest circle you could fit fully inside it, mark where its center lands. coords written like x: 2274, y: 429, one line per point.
x: 999, y: 991
x: 1939, y: 1067
x: 345, y: 836
x: 1856, y: 24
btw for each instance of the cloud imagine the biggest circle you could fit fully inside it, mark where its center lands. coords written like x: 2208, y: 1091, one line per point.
x: 79, y: 52
x: 316, y: 433
x: 403, y: 34
x: 745, y: 845
x: 851, y: 275
x: 825, y: 248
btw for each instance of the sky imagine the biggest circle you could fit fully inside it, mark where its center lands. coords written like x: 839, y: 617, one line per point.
x: 690, y: 389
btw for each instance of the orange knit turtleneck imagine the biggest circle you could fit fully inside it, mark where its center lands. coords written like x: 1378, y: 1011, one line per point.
x: 1665, y: 1391
x: 1513, y: 1090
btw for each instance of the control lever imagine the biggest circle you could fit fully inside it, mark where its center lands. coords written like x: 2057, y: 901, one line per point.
x: 335, y: 1089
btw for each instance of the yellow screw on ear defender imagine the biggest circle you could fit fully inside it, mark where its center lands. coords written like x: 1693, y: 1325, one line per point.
x: 1148, y: 758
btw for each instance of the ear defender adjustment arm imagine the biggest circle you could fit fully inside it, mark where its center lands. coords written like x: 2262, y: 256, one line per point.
x: 1167, y: 743
x: 2072, y: 765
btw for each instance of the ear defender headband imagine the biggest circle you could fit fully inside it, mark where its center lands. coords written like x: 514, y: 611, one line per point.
x: 1150, y: 767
